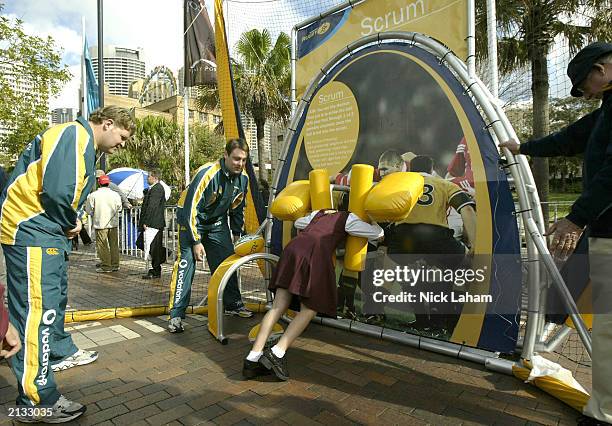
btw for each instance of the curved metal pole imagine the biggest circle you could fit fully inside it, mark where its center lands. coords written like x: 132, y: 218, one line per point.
x: 528, y: 200
x: 230, y: 271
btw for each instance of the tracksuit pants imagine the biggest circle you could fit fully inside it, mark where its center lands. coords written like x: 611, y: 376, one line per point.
x: 218, y: 247
x: 37, y: 283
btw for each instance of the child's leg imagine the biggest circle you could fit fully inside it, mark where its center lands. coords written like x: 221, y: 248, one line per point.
x: 281, y: 303
x: 296, y: 327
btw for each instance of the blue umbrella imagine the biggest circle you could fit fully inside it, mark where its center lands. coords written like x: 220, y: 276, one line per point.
x: 133, y: 182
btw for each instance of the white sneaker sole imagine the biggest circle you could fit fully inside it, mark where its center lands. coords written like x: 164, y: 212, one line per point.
x: 65, y: 365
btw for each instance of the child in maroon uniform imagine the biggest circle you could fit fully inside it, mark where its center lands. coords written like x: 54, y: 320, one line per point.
x: 305, y: 271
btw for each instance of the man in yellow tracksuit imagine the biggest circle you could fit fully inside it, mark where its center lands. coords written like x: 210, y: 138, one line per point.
x: 39, y: 213
x: 210, y: 211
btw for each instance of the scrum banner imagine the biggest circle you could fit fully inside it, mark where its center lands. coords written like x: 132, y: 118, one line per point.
x: 398, y: 97
x: 443, y: 20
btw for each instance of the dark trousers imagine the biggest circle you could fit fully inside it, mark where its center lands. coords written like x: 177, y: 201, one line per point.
x: 158, y: 252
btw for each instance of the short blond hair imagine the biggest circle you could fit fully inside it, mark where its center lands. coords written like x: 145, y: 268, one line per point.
x: 121, y: 116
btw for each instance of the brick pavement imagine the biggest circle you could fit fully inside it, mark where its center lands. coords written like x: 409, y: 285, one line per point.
x: 150, y: 377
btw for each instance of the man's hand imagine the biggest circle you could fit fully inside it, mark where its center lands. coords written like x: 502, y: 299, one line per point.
x: 565, y: 237
x: 512, y: 146
x: 198, y: 251
x: 11, y: 343
x: 235, y: 238
x: 75, y: 231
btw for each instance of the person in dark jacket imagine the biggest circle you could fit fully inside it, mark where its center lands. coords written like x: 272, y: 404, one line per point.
x: 3, y: 179
x: 591, y: 74
x: 153, y: 217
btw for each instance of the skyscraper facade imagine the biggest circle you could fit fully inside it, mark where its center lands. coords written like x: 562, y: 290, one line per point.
x: 62, y: 115
x: 122, y: 66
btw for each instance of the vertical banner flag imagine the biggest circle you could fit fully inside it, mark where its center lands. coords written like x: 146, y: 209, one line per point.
x: 232, y: 125
x: 199, y: 62
x: 90, y: 86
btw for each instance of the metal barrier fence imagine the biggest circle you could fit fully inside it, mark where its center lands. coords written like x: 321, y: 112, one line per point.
x: 128, y: 227
x: 128, y: 232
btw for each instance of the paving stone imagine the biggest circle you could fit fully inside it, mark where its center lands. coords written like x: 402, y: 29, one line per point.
x: 169, y: 415
x: 337, y: 378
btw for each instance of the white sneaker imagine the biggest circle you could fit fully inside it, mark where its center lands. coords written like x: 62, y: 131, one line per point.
x: 81, y: 357
x: 175, y: 325
x: 62, y: 411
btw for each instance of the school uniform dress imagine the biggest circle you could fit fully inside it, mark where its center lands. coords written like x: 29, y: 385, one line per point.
x: 306, y: 267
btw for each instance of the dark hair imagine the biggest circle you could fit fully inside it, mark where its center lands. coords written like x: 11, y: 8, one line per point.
x: 421, y: 163
x: 239, y: 143
x: 121, y: 116
x: 155, y: 173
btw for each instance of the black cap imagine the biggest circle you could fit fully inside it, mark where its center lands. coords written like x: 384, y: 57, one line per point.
x: 579, y: 67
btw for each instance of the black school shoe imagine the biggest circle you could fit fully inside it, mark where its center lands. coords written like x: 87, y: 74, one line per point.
x: 252, y: 369
x: 276, y: 364
x: 590, y: 421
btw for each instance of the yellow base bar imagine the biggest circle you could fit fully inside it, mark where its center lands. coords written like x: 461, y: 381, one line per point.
x: 572, y: 397
x: 126, y: 312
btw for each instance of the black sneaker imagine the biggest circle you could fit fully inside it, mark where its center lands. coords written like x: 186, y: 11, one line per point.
x: 252, y: 369
x: 278, y: 365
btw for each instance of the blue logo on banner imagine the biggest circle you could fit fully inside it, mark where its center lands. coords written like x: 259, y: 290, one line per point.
x: 315, y: 34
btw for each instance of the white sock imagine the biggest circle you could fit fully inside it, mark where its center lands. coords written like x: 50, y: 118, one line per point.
x: 254, y: 356
x: 278, y: 351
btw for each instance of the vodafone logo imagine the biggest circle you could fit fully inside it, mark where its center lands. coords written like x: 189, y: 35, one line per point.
x: 49, y: 316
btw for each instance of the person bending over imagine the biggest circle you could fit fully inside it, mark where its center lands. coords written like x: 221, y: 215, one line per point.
x: 304, y: 280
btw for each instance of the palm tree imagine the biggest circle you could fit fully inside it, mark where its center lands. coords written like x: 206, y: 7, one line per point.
x: 264, y: 81
x: 158, y: 143
x: 262, y: 78
x: 526, y: 33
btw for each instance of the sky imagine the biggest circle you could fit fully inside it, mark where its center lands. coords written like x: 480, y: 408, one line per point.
x: 154, y: 25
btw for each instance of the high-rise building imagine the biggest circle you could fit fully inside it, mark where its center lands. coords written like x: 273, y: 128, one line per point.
x: 62, y: 115
x: 22, y: 87
x: 122, y: 66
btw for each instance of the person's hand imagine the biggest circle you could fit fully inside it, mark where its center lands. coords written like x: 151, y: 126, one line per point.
x: 511, y: 145
x: 235, y: 238
x: 75, y: 231
x: 11, y: 343
x: 565, y: 237
x: 198, y: 251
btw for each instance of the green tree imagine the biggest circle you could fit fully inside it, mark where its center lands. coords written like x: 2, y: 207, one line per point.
x: 262, y: 77
x: 527, y: 30
x: 26, y: 59
x: 562, y: 113
x: 158, y: 143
